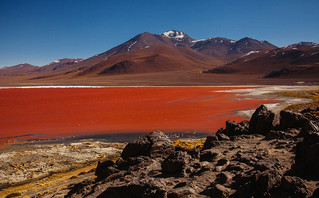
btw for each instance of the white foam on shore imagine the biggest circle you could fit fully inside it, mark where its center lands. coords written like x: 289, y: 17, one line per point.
x: 268, y: 93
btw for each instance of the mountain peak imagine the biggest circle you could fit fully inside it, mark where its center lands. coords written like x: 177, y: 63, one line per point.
x: 174, y: 34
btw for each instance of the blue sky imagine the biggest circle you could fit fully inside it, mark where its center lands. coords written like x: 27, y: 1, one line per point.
x: 41, y: 31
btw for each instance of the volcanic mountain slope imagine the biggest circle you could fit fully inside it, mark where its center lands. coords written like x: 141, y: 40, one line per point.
x: 27, y: 69
x: 59, y: 64
x: 170, y: 51
x: 141, y: 41
x: 295, y: 60
x: 222, y: 49
x: 18, y: 70
x: 157, y: 58
x: 229, y: 50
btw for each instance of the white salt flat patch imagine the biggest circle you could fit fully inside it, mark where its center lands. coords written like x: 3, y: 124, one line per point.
x: 265, y: 93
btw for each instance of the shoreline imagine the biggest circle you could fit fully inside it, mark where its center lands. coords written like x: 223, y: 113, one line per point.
x: 92, y: 86
x: 272, y: 93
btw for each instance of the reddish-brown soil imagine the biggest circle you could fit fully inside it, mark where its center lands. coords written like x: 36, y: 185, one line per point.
x: 72, y: 111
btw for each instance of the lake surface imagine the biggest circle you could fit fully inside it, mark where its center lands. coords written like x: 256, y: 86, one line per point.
x: 56, y: 112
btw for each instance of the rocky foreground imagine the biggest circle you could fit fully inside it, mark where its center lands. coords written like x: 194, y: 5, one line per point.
x: 269, y: 156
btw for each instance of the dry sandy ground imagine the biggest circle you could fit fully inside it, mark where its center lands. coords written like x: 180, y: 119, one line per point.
x: 172, y: 78
x: 35, y: 161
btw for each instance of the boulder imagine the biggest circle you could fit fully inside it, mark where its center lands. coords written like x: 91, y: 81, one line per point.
x: 155, y: 144
x: 134, y: 190
x: 185, y: 191
x: 295, y: 187
x: 289, y: 119
x: 234, y: 128
x: 262, y: 121
x: 132, y: 161
x: 258, y: 184
x: 79, y: 188
x: 272, y: 134
x: 307, y: 157
x: 265, y: 182
x: 175, y: 163
x: 220, y: 191
x: 224, y: 178
x: 222, y: 136
x: 267, y: 164
x: 315, y: 193
x: 222, y: 162
x: 105, y: 169
x: 210, y: 155
x: 211, y: 141
x: 308, y: 126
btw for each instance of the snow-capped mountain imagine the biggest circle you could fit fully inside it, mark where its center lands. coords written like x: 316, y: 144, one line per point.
x: 296, y: 60
x: 223, y: 49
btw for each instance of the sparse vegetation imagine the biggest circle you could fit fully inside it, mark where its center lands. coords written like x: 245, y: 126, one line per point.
x: 313, y: 95
x: 188, y: 144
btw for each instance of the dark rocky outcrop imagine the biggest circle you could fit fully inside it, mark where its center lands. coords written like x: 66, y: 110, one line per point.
x: 260, y: 158
x: 289, y: 119
x: 262, y: 121
x: 211, y: 141
x: 156, y: 143
x: 272, y: 134
x: 105, y: 169
x: 175, y: 163
x: 185, y: 191
x: 233, y: 128
x: 224, y: 178
x: 133, y: 189
x: 294, y: 187
x: 210, y: 155
x: 307, y: 156
x: 220, y: 191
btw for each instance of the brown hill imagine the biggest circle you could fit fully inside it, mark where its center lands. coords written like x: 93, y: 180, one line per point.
x: 158, y: 58
x: 18, y: 70
x: 59, y: 64
x: 229, y: 50
x: 28, y: 69
x: 288, y: 61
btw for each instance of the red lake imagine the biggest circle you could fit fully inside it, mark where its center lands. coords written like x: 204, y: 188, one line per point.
x: 77, y: 111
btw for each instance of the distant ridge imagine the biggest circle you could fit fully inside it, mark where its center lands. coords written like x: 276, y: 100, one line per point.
x: 296, y: 60
x: 175, y: 51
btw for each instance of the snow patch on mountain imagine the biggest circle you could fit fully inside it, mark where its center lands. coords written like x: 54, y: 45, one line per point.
x: 129, y: 48
x: 251, y: 52
x: 174, y: 34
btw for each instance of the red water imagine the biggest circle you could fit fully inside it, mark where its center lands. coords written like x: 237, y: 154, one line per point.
x: 73, y: 111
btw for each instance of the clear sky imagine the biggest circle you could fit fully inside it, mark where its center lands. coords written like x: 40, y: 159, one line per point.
x: 41, y: 31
